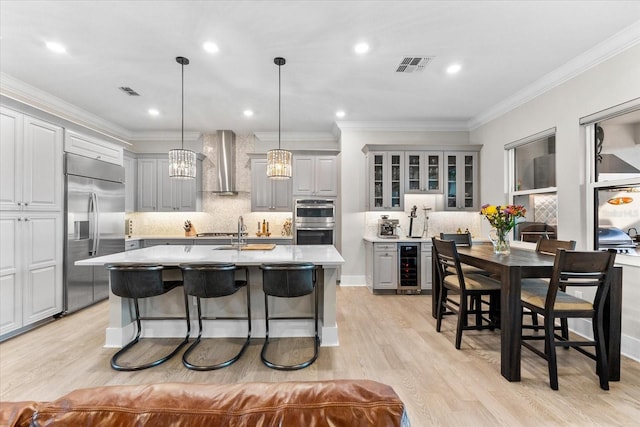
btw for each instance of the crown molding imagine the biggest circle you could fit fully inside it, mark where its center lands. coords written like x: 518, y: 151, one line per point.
x: 619, y: 42
x: 165, y: 136
x: 297, y: 136
x: 31, y: 96
x: 443, y: 125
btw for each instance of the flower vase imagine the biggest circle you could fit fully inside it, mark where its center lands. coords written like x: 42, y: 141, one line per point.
x: 500, y: 239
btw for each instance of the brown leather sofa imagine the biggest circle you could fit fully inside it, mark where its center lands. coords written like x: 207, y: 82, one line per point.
x: 346, y: 403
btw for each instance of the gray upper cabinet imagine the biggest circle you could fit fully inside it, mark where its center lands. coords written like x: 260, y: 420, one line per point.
x: 315, y: 175
x: 159, y: 193
x: 130, y: 164
x: 267, y: 194
x: 461, y: 180
x: 385, y: 181
x: 423, y: 172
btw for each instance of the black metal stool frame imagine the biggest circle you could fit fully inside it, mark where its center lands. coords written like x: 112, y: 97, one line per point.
x: 167, y: 286
x: 232, y: 268
x: 316, y: 344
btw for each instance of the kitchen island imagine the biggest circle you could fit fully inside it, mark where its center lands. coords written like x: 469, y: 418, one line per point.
x: 121, y: 328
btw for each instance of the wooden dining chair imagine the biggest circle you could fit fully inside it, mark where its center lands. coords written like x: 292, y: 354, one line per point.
x: 452, y: 281
x: 549, y: 247
x: 463, y: 239
x: 572, y: 269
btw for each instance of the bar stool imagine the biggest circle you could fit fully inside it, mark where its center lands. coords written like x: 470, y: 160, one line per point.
x: 289, y: 281
x: 136, y: 281
x: 214, y: 280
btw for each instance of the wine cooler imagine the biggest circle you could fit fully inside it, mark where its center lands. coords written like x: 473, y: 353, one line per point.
x: 408, y: 268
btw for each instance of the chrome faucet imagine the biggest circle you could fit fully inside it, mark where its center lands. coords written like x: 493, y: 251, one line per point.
x: 241, y: 229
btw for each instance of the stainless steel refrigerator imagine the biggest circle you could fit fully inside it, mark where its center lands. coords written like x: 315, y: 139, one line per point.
x: 94, y: 226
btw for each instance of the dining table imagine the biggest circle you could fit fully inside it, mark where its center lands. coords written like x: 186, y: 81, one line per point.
x: 511, y: 269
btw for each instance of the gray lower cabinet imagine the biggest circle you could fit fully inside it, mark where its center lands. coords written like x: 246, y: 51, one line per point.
x: 157, y: 242
x: 130, y: 245
x: 425, y: 267
x: 381, y: 264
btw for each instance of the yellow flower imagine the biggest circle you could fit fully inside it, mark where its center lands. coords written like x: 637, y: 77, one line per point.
x: 490, y: 210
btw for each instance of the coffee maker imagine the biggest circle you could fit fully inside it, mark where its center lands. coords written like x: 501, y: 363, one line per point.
x: 387, y: 227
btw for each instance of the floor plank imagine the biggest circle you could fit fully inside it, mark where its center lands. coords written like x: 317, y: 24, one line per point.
x: 387, y: 338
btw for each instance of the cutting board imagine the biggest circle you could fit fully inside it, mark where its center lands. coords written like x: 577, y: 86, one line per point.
x: 259, y: 247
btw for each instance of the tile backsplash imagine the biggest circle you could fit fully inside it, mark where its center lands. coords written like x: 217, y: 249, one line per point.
x: 439, y: 221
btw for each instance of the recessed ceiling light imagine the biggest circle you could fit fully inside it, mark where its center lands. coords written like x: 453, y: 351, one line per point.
x: 210, y: 47
x: 361, y: 48
x: 153, y: 112
x: 247, y: 113
x: 56, y: 47
x: 454, y: 68
x: 340, y: 114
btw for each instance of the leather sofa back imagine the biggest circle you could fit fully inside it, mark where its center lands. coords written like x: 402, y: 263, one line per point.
x: 318, y: 403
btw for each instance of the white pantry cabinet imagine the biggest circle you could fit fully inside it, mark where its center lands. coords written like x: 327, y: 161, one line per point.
x: 30, y: 268
x: 30, y: 163
x: 87, y: 146
x: 315, y: 175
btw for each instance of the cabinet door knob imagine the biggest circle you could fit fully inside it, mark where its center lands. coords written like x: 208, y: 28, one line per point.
x: 26, y: 204
x: 19, y: 203
x: 26, y: 219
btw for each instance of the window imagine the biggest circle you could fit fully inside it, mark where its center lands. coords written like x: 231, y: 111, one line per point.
x: 614, y: 184
x: 532, y: 184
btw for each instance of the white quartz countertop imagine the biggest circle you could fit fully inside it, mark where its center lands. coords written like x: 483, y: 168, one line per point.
x: 376, y: 239
x: 326, y: 255
x: 182, y: 237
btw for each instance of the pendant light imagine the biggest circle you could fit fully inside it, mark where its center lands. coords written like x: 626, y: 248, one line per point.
x: 279, y: 160
x: 182, y: 163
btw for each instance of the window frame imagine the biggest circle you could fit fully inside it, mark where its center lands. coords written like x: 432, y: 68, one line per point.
x: 510, y: 150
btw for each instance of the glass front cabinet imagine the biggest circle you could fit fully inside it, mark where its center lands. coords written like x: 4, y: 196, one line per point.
x: 423, y: 172
x: 386, y: 175
x: 461, y: 178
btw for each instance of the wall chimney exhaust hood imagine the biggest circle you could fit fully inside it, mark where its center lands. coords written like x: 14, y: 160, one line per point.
x: 226, y: 163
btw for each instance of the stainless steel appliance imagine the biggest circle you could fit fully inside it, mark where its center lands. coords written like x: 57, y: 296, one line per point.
x: 614, y: 238
x: 408, y: 268
x: 387, y: 227
x: 315, y: 221
x: 94, y: 226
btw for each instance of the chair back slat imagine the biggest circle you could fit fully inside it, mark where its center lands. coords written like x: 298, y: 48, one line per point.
x: 460, y: 239
x: 583, y: 269
x: 448, y: 261
x: 550, y: 246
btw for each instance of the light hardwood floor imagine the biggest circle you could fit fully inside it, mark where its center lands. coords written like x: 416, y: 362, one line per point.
x: 387, y: 338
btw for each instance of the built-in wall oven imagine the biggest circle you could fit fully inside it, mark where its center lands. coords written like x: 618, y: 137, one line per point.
x: 315, y: 221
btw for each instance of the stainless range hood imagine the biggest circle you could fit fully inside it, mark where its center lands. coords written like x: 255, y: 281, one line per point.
x: 226, y: 163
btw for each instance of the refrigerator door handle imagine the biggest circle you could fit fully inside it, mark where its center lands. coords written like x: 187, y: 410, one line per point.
x: 94, y: 210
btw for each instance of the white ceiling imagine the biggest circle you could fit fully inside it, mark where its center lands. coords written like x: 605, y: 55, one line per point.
x: 504, y: 48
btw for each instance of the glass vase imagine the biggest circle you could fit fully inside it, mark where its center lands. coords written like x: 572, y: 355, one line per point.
x: 500, y: 239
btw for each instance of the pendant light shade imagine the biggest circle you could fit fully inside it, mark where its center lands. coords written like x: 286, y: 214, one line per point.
x: 279, y: 160
x: 182, y: 163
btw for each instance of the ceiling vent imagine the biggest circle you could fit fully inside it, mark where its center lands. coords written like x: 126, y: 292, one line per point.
x: 413, y: 64
x: 129, y: 91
